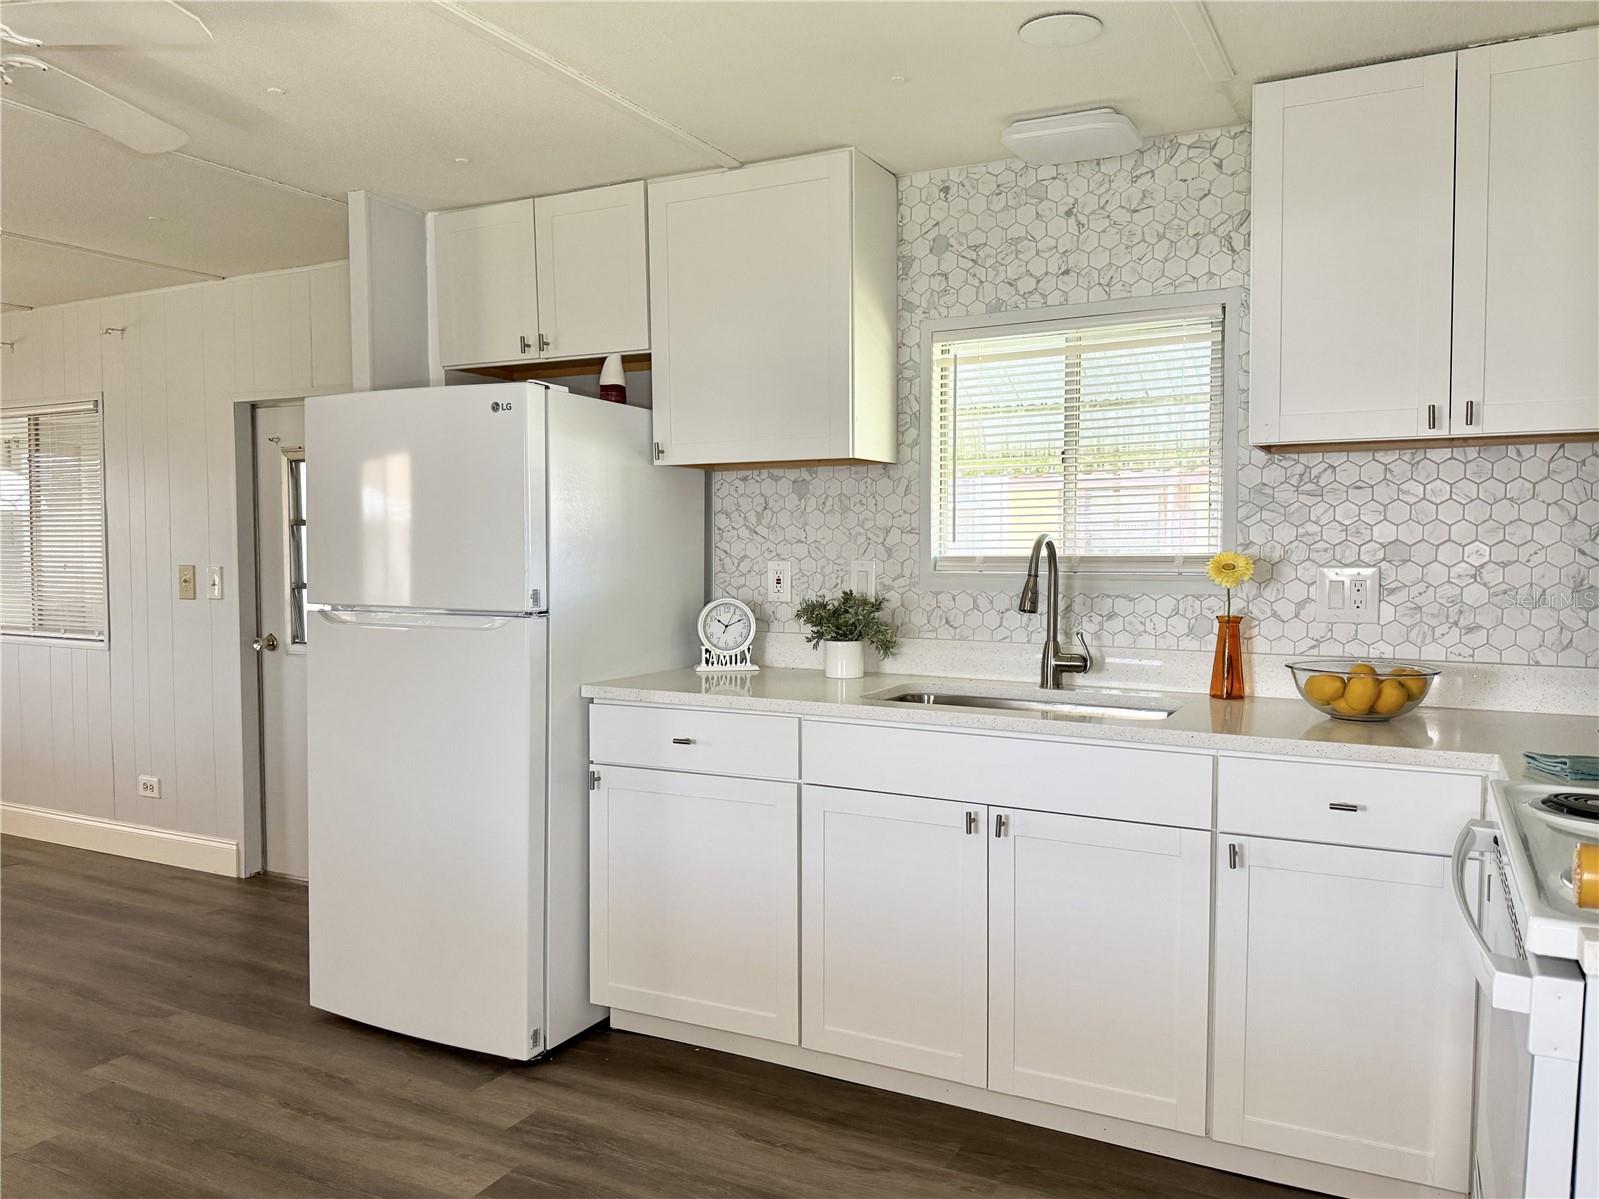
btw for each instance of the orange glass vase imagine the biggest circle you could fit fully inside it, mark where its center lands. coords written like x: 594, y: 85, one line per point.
x: 1227, y: 674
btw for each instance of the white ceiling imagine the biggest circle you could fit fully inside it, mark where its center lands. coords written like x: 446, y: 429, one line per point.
x: 551, y: 96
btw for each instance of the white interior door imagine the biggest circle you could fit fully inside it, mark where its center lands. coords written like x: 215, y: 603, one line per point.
x: 894, y: 913
x: 281, y: 629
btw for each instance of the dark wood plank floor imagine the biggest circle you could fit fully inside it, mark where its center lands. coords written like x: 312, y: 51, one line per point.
x: 157, y: 1042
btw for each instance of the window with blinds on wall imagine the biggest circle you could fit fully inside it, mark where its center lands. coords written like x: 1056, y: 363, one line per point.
x: 52, y: 521
x: 1108, y: 434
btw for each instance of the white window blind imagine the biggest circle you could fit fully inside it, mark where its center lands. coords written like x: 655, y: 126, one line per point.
x: 1107, y: 435
x: 52, y: 521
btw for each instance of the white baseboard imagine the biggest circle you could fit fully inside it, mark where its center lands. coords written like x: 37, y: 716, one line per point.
x: 188, y: 850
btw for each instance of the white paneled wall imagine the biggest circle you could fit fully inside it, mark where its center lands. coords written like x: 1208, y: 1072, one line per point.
x: 164, y: 696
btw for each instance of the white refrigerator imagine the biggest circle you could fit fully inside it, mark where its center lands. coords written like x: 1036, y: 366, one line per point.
x: 476, y: 554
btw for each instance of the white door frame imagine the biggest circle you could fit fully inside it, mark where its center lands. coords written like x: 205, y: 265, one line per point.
x: 252, y: 814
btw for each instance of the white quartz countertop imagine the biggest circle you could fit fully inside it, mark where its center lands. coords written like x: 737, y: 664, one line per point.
x: 1443, y: 738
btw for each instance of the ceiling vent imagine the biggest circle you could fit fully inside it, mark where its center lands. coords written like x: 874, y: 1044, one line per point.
x: 1072, y: 136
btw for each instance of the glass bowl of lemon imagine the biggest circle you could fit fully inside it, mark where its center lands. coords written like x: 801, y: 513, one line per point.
x: 1351, y: 689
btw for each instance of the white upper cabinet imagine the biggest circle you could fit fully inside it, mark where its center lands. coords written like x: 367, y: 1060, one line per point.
x: 1344, y: 1009
x: 1353, y: 202
x: 772, y: 292
x: 593, y: 282
x: 529, y: 280
x: 1527, y: 237
x: 1426, y: 247
x: 485, y: 290
x: 1097, y: 927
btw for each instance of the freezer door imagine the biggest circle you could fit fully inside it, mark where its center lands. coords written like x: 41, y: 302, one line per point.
x: 427, y: 498
x: 426, y: 821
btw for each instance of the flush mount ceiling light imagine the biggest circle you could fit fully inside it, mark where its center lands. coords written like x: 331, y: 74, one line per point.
x: 277, y: 91
x: 1072, y: 136
x: 1060, y: 29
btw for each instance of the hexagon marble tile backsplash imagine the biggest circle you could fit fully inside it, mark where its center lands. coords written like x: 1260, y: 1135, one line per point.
x: 1488, y: 554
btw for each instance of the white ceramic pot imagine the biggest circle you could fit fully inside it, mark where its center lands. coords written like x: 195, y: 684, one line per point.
x: 844, y: 659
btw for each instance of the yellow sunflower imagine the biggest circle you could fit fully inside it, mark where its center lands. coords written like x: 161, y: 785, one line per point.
x: 1228, y: 569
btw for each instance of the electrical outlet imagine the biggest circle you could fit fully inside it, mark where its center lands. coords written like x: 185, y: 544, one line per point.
x: 863, y: 579
x: 777, y: 581
x: 213, y: 582
x: 149, y: 786
x: 1347, y: 594
x: 186, y: 581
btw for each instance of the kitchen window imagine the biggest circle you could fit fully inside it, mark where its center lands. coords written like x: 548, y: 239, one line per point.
x: 52, y: 522
x: 1104, y: 425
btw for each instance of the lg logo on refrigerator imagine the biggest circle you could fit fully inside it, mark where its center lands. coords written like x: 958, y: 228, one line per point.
x: 496, y: 406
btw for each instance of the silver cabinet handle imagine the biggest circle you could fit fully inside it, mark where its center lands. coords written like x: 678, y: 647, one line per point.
x: 682, y: 741
x: 527, y: 346
x: 544, y: 342
x: 1344, y: 807
x: 1471, y: 412
x: 971, y: 823
x: 1232, y: 855
x: 1001, y: 823
x: 269, y: 642
x: 1432, y: 416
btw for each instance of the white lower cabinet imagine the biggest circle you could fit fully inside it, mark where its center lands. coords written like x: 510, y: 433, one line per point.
x: 692, y: 899
x: 1099, y: 966
x: 1343, y: 1009
x: 894, y: 912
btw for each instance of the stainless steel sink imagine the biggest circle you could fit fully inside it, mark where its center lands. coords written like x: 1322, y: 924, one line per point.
x: 1042, y: 707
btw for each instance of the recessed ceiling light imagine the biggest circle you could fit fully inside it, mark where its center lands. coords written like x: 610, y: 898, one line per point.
x: 1060, y: 29
x: 155, y: 218
x: 277, y: 91
x: 463, y: 161
x: 899, y: 79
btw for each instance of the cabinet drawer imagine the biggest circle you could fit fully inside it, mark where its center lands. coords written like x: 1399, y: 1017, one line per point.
x: 1149, y: 786
x: 1374, y: 806
x: 689, y: 739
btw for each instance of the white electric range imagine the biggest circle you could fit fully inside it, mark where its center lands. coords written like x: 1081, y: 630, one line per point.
x: 1536, y: 958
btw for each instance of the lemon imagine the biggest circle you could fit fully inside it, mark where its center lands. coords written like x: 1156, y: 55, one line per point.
x: 1343, y: 709
x: 1324, y: 688
x: 1363, y: 668
x: 1391, y: 696
x: 1415, y: 683
x: 1361, y: 692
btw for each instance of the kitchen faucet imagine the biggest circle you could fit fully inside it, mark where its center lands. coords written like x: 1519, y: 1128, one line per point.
x: 1056, y: 664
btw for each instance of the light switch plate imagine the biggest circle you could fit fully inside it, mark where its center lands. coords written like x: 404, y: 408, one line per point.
x: 1347, y: 594
x: 863, y: 579
x: 777, y: 581
x: 213, y: 582
x: 186, y: 581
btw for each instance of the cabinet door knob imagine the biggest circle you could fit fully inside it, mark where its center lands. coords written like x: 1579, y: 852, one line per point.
x: 544, y: 342
x: 1232, y: 856
x: 971, y: 823
x: 527, y: 346
x: 1471, y: 413
x: 1001, y: 823
x: 1432, y: 416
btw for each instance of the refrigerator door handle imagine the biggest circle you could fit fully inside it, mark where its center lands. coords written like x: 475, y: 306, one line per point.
x: 418, y: 619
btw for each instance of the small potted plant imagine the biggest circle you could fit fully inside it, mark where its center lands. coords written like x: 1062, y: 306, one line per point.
x: 844, y: 626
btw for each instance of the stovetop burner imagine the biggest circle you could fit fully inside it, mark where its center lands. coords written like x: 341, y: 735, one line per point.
x: 1574, y: 804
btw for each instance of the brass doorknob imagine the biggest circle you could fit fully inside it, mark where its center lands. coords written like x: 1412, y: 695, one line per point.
x: 268, y: 642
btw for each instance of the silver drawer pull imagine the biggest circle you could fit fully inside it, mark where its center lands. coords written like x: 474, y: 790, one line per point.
x: 682, y: 741
x: 1344, y: 807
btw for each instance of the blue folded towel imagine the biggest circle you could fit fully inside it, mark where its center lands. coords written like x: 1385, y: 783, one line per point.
x: 1574, y: 767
